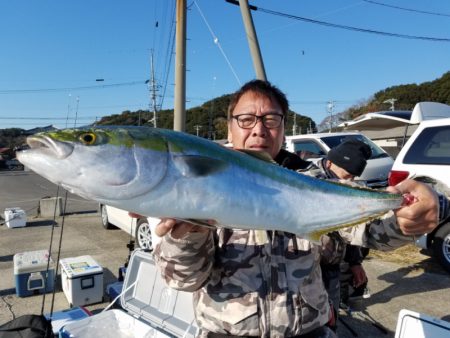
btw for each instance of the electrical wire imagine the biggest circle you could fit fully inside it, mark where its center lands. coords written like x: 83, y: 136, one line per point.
x: 168, y: 58
x: 357, y: 29
x: 406, y: 9
x: 44, y: 118
x: 217, y: 43
x: 64, y: 89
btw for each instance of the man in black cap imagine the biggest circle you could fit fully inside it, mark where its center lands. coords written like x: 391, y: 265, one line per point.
x: 344, y: 162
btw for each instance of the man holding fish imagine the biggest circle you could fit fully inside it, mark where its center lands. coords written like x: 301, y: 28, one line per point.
x: 257, y: 274
x: 262, y: 283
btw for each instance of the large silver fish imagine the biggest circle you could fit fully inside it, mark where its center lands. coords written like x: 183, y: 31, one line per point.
x: 163, y: 173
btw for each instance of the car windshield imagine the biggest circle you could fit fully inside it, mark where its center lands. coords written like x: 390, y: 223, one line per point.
x: 333, y: 141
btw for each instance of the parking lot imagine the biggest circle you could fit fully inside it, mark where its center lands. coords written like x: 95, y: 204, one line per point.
x: 393, y: 286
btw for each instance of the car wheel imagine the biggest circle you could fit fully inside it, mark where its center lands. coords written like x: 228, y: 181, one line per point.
x: 441, y: 246
x: 144, y: 235
x: 105, y: 221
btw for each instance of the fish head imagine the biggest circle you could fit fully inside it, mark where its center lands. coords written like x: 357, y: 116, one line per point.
x: 99, y: 163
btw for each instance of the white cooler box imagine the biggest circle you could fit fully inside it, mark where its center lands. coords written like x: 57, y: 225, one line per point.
x: 15, y: 218
x: 82, y: 280
x: 153, y: 309
x: 411, y: 324
x: 30, y: 273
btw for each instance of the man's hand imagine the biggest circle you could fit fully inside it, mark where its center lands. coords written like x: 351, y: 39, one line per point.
x: 421, y: 216
x: 177, y: 229
x: 359, y: 275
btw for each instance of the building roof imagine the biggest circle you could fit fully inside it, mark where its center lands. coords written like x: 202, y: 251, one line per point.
x: 388, y: 120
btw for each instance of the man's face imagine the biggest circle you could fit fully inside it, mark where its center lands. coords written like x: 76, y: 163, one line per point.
x: 259, y: 137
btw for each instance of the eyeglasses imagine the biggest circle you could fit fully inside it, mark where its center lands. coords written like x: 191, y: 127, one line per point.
x: 248, y: 121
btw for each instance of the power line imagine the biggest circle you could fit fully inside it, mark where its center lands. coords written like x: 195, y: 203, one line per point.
x: 168, y: 58
x: 322, y: 102
x: 407, y: 9
x: 357, y: 29
x: 46, y: 118
x: 323, y: 23
x: 217, y: 43
x: 64, y: 89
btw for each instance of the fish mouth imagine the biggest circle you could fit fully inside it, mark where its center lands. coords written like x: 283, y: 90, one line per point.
x: 47, y: 145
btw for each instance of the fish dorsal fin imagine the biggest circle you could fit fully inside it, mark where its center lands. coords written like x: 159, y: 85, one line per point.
x: 194, y: 165
x: 260, y: 155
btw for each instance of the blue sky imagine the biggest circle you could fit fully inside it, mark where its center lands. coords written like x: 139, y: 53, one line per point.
x: 52, y: 52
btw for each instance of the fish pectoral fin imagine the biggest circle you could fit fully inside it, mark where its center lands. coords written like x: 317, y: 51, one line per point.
x: 193, y: 166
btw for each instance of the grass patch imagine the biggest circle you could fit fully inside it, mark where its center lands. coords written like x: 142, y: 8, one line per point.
x: 409, y: 255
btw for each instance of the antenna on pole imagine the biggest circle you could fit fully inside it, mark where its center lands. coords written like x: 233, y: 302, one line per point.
x: 391, y: 102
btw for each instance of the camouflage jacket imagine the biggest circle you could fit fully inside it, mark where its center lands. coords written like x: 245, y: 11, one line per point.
x: 258, y: 283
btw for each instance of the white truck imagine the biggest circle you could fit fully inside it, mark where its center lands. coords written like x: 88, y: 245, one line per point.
x: 427, y: 153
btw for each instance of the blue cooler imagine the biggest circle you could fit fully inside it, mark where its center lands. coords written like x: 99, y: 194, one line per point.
x: 30, y: 273
x: 64, y: 317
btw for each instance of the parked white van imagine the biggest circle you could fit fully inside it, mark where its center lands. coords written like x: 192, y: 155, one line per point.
x: 427, y: 153
x: 310, y: 146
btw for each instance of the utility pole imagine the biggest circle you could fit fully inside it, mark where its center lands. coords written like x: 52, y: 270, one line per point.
x: 252, y: 40
x: 392, y: 102
x: 179, y: 119
x: 211, y: 114
x: 153, y: 91
x: 76, y: 112
x: 330, y: 108
x: 294, y: 126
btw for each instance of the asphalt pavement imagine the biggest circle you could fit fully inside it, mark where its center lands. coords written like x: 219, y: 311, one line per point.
x: 393, y: 286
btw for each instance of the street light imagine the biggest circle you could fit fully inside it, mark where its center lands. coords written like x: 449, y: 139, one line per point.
x: 391, y: 101
x: 330, y: 108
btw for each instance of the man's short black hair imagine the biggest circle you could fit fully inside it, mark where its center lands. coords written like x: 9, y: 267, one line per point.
x: 263, y: 88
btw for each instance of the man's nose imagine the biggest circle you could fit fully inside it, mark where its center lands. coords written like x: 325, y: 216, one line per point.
x: 259, y: 127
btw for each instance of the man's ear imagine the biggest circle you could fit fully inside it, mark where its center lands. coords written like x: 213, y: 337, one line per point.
x: 230, y: 135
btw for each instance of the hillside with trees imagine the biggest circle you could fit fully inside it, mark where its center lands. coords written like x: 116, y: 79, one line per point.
x: 209, y: 120
x: 406, y: 96
x: 12, y: 138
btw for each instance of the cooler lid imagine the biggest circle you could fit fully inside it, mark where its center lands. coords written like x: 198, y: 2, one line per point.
x: 15, y: 210
x: 418, y: 325
x: 32, y: 261
x: 80, y: 266
x: 151, y: 300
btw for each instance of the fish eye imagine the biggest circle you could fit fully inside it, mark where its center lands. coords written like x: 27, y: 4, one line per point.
x: 88, y: 138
